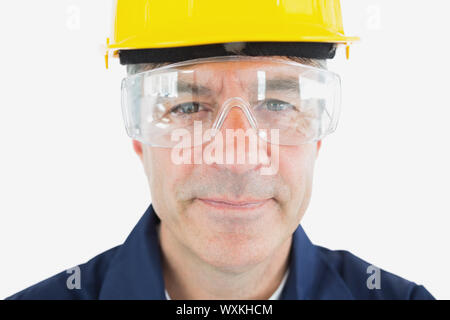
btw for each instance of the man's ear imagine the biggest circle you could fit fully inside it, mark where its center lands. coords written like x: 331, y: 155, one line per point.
x: 319, y: 144
x: 137, y: 146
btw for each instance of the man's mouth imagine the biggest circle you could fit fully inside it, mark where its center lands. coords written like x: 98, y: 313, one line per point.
x: 234, y: 205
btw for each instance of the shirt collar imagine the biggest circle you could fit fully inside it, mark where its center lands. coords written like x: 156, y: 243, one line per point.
x: 311, y: 276
x: 135, y: 271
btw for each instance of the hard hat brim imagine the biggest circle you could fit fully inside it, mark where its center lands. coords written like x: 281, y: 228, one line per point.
x: 313, y: 50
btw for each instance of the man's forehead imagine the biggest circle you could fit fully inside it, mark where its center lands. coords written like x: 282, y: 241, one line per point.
x: 212, y: 78
x: 238, y: 65
x: 142, y: 67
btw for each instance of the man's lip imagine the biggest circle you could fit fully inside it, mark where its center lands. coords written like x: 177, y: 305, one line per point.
x: 231, y: 204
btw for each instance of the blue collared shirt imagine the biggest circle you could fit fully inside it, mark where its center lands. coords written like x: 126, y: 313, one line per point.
x: 133, y: 271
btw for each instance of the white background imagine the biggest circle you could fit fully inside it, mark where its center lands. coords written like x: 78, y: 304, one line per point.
x: 71, y: 186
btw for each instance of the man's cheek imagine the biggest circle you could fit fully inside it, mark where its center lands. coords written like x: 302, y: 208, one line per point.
x: 295, y: 167
x: 168, y: 175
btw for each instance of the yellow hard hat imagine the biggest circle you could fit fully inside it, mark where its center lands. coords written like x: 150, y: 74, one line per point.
x: 151, y: 24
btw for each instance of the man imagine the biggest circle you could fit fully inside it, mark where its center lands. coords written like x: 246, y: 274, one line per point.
x: 227, y: 107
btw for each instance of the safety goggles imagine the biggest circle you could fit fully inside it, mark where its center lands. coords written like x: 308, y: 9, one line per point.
x: 301, y: 102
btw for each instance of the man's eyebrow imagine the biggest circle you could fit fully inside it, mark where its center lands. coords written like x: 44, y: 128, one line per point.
x: 275, y: 84
x: 188, y: 87
x: 282, y: 84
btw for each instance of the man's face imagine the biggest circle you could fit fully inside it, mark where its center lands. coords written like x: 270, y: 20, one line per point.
x: 230, y: 215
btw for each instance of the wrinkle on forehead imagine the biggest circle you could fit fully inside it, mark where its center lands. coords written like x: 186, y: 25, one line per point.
x: 236, y: 76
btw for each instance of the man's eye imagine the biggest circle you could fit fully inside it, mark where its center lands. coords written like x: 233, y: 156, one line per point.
x: 186, y: 108
x: 277, y: 105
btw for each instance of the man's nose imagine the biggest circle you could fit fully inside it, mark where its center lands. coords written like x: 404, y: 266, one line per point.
x: 241, y: 145
x: 236, y: 117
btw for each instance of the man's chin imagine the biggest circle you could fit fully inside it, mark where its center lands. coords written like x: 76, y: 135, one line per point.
x: 234, y: 254
x: 232, y: 238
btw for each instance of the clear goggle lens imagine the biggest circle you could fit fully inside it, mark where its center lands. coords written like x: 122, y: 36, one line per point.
x: 301, y: 102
